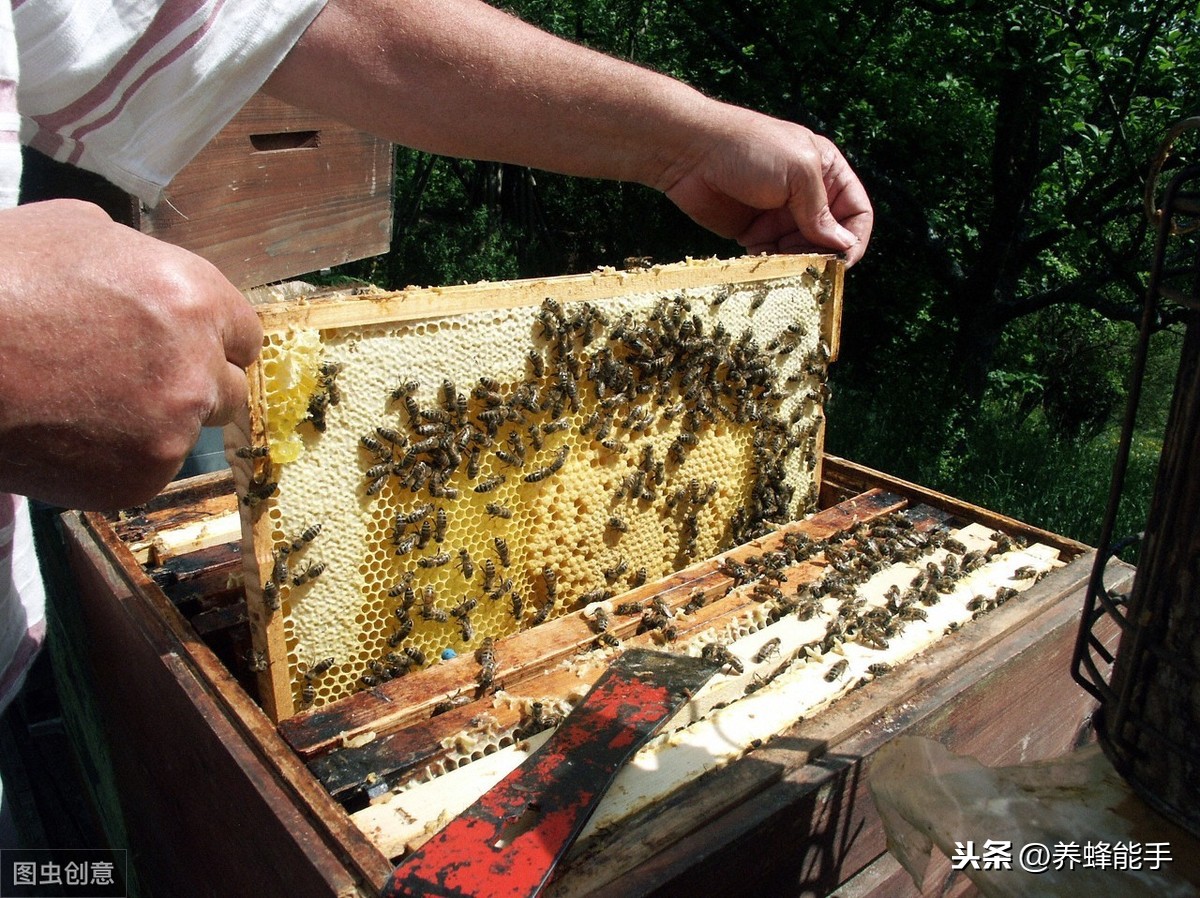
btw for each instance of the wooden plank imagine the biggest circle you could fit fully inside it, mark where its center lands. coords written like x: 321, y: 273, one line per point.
x: 280, y: 191
x: 529, y: 654
x: 272, y: 848
x: 1004, y: 697
x: 414, y: 303
x: 266, y: 623
x: 885, y: 878
x: 216, y: 708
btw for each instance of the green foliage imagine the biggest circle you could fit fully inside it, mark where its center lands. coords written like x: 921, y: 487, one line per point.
x: 1004, y: 146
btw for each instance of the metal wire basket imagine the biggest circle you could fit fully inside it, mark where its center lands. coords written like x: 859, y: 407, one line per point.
x: 1149, y: 690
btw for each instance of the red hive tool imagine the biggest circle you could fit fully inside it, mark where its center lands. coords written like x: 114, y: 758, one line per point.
x: 507, y: 844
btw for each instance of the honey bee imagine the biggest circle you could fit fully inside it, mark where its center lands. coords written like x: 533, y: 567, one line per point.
x: 486, y: 486
x: 430, y: 561
x: 253, y: 452
x: 486, y: 656
x: 536, y: 363
x: 405, y: 390
x: 518, y: 605
x: 552, y: 468
x: 615, y: 523
x: 489, y: 574
x: 769, y: 649
x: 717, y: 653
x: 501, y: 550
x: 496, y: 510
x: 509, y: 458
x: 415, y: 655
x: 424, y: 534
x: 279, y: 567
x: 270, y: 594
x: 317, y: 407
x: 259, y: 491
x: 550, y: 578
x: 406, y: 627
x: 329, y: 373
x: 308, y: 694
x: 449, y: 703
x: 465, y: 607
x: 406, y: 544
x: 310, y: 533
x: 316, y: 669
x: 439, y: 527
x: 1024, y: 572
x: 614, y: 573
x: 543, y: 612
x: 638, y: 578
x: 695, y: 602
x: 466, y: 629
x: 614, y: 446
x: 607, y: 639
x: 257, y: 661
x: 600, y: 620
x: 837, y: 671
x: 629, y: 608
x: 310, y: 573
x: 465, y: 564
x: 429, y: 610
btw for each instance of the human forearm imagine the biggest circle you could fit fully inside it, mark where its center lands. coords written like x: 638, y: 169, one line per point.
x: 460, y: 78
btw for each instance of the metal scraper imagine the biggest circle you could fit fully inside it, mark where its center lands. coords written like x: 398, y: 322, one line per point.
x: 507, y: 844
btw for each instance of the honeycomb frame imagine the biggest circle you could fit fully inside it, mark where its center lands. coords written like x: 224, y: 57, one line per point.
x: 666, y: 473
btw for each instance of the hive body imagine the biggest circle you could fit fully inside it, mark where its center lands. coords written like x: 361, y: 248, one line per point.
x: 479, y: 473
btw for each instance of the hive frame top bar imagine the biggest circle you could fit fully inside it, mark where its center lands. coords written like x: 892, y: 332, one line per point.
x: 412, y: 303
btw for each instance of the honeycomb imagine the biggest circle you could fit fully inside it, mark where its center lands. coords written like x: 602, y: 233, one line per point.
x: 449, y: 479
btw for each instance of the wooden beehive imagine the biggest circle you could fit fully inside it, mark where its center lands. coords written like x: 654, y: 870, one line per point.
x: 768, y: 761
x: 279, y: 192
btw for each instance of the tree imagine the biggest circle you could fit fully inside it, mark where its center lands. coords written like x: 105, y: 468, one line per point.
x: 1005, y: 146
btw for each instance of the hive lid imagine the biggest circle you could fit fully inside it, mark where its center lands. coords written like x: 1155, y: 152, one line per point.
x: 424, y: 469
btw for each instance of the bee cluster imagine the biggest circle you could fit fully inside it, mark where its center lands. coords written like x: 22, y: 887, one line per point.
x: 850, y: 558
x: 631, y: 441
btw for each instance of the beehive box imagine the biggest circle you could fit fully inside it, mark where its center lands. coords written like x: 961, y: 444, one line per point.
x: 849, y: 607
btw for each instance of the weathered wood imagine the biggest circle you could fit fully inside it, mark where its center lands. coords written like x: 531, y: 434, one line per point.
x: 885, y: 878
x: 323, y: 312
x: 266, y: 624
x: 280, y: 191
x: 181, y: 759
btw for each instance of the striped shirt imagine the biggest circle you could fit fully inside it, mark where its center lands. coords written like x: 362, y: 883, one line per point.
x: 132, y: 90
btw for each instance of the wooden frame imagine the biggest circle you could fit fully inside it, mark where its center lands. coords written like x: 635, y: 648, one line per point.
x: 336, y: 312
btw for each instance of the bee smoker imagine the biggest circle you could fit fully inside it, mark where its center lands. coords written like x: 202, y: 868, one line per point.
x: 1149, y: 690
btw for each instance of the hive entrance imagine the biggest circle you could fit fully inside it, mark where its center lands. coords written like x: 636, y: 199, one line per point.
x: 421, y: 482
